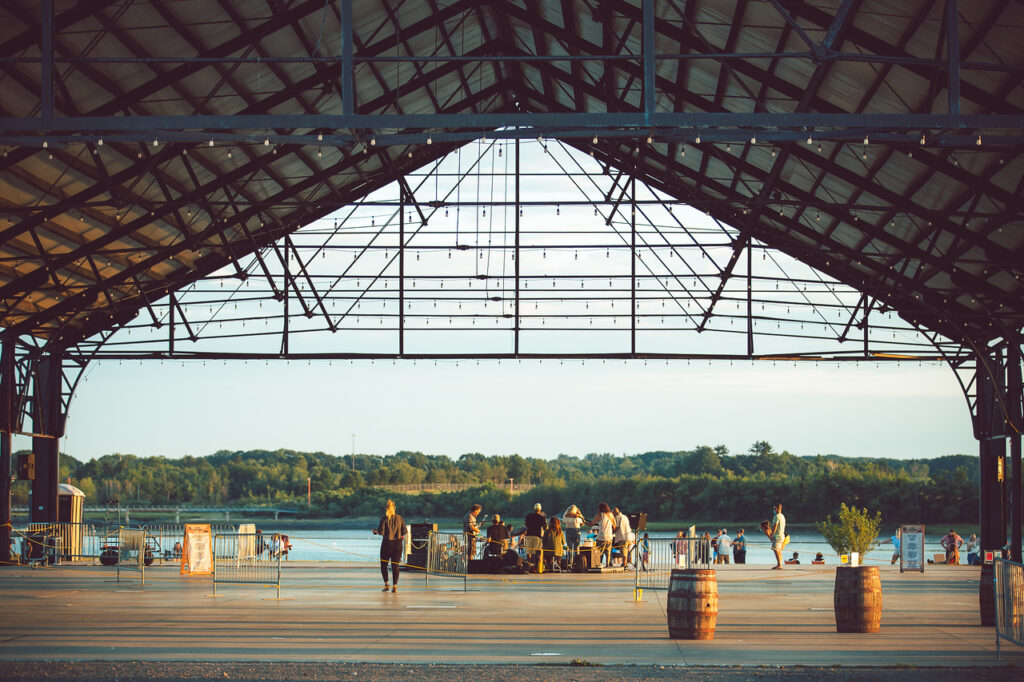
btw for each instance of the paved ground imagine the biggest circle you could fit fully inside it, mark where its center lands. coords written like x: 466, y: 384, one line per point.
x: 337, y: 615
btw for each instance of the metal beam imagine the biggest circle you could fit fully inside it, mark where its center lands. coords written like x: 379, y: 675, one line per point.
x: 953, y: 54
x: 203, y: 127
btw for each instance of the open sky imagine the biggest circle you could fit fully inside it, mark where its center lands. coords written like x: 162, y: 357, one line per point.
x: 530, y: 408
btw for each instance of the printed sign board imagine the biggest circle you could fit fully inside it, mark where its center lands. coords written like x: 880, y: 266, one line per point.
x: 912, y: 548
x: 197, y: 554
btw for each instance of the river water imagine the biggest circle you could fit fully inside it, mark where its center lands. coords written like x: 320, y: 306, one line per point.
x: 362, y: 546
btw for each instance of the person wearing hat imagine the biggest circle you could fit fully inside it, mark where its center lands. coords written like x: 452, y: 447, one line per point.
x: 497, y: 537
x: 572, y: 522
x: 536, y: 522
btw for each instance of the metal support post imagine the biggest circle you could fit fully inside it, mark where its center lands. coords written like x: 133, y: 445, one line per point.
x: 750, y: 299
x: 992, y: 452
x: 347, y: 81
x: 1015, y: 398
x: 48, y: 425
x: 517, y: 256
x: 953, y: 55
x: 401, y: 271
x: 648, y: 48
x: 6, y: 426
x: 46, y: 60
x: 632, y: 272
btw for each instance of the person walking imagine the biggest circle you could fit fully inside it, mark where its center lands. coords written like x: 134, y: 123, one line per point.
x: 392, y: 544
x: 739, y: 548
x: 895, y: 541
x: 472, y: 529
x: 777, y: 533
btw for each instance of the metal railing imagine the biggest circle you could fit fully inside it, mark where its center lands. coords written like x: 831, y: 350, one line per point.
x: 657, y: 557
x: 245, y: 559
x: 447, y: 556
x: 71, y: 541
x: 131, y: 552
x: 1009, y: 577
x: 168, y: 538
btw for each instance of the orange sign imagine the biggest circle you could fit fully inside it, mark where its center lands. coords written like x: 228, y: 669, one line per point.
x: 197, y: 553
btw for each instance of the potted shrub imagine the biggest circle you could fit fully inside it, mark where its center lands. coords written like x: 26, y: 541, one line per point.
x: 857, y: 596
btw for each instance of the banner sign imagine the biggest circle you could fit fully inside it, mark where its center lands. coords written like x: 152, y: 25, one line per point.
x: 912, y: 548
x: 197, y: 553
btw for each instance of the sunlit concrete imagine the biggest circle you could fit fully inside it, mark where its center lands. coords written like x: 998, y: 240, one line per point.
x: 336, y: 612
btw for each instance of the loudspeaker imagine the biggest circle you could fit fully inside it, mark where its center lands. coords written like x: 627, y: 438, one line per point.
x: 477, y: 566
x: 27, y: 466
x: 638, y: 521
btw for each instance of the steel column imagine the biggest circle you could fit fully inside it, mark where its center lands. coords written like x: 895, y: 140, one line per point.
x: 401, y: 270
x: 47, y: 427
x: 1015, y: 397
x: 992, y: 451
x: 46, y: 59
x: 6, y: 426
x: 516, y: 258
x: 953, y: 55
x: 648, y: 47
x: 632, y: 264
x: 347, y: 82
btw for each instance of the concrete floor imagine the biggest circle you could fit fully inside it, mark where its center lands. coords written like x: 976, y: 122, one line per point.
x: 334, y: 612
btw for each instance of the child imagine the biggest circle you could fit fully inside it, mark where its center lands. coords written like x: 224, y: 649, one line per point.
x: 645, y: 552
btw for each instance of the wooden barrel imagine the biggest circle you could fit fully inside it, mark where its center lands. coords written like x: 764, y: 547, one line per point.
x: 858, y: 599
x: 987, y: 595
x: 692, y: 604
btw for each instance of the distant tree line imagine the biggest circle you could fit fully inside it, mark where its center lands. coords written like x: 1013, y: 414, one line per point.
x: 705, y: 483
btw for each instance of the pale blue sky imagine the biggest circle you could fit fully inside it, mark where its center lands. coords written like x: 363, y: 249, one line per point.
x: 534, y: 409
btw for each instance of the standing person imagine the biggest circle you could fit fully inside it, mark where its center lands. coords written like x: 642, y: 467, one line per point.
x: 536, y: 521
x: 739, y: 548
x: 724, y: 547
x: 572, y: 522
x: 895, y: 542
x: 392, y: 543
x: 472, y: 529
x: 497, y: 537
x: 605, y: 532
x: 645, y: 552
x: 777, y: 533
x: 554, y: 543
x: 620, y: 535
x: 679, y: 552
x: 951, y: 543
x: 972, y: 550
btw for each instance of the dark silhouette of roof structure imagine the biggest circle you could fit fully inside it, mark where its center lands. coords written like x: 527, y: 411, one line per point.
x: 148, y: 144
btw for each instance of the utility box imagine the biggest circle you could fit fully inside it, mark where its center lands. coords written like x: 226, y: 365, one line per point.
x: 27, y: 466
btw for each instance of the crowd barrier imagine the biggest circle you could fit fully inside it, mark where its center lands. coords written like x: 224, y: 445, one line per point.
x: 131, y: 552
x: 1009, y: 577
x: 447, y: 556
x: 657, y: 557
x: 239, y: 559
x: 61, y: 542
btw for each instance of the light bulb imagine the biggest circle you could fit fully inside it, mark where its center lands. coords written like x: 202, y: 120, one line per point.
x: 649, y: 139
x: 593, y: 141
x: 922, y: 138
x: 430, y: 140
x: 753, y: 139
x: 266, y: 141
x: 373, y: 141
x: 99, y: 142
x: 810, y: 140
x: 155, y: 143
x: 320, y: 137
x: 697, y: 140
x: 978, y: 141
x: 210, y: 144
x: 866, y: 140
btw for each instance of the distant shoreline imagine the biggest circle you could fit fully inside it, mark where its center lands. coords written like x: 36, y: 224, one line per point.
x: 447, y: 523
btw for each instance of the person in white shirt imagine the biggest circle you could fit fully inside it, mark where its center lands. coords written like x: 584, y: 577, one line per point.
x: 622, y: 534
x: 724, y: 547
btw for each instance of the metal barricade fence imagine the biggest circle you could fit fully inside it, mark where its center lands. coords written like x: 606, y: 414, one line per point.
x: 447, y: 556
x: 245, y: 559
x: 131, y: 552
x: 656, y: 557
x: 67, y: 541
x: 1009, y: 577
x: 166, y: 536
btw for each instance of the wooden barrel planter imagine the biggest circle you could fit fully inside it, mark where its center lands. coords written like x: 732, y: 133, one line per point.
x: 692, y: 604
x: 858, y: 599
x: 987, y: 595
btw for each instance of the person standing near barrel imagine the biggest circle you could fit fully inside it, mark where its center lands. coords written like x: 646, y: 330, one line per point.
x: 392, y: 543
x: 777, y: 533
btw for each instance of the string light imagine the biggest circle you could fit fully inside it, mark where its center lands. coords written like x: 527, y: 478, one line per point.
x: 697, y: 139
x: 266, y: 141
x: 753, y: 139
x: 978, y: 141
